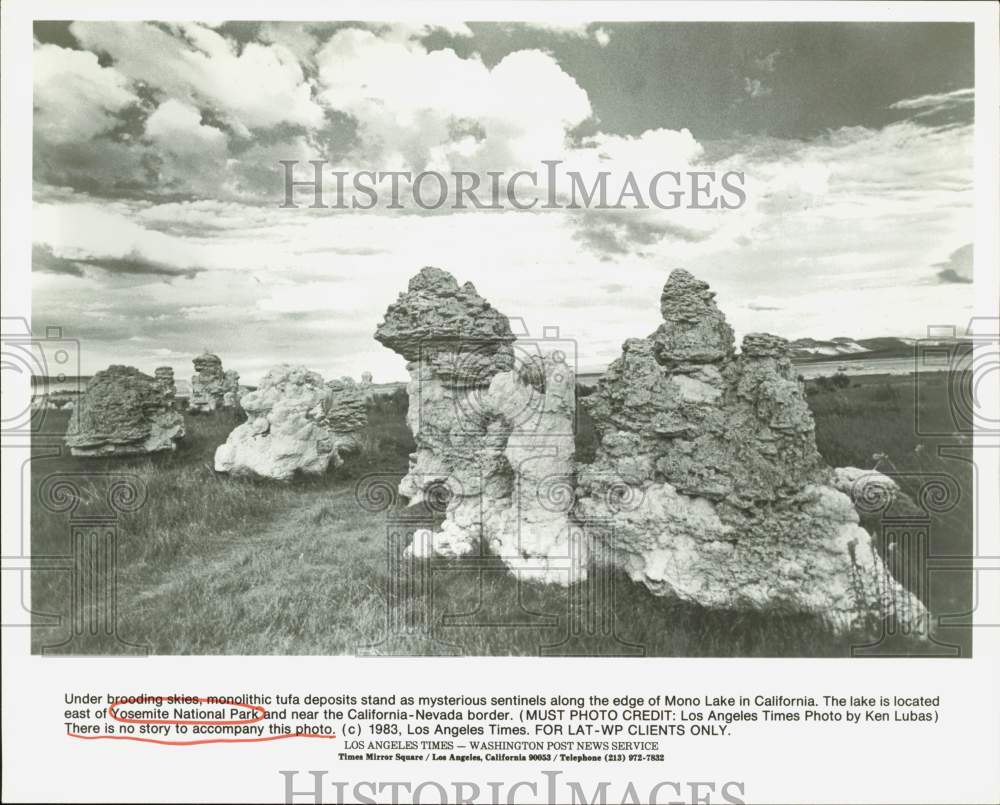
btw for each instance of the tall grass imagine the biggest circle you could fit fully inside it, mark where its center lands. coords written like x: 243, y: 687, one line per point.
x: 213, y: 564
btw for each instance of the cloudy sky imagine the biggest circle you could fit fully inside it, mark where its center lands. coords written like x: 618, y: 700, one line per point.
x: 157, y: 229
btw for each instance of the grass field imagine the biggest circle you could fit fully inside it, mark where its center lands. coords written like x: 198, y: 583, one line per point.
x: 214, y: 565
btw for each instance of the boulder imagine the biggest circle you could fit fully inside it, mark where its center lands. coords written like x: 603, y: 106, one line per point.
x: 709, y: 480
x: 123, y: 412
x: 296, y: 423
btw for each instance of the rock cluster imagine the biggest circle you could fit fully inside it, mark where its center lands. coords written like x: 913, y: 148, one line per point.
x: 296, y: 423
x: 493, y: 429
x: 708, y: 476
x: 211, y: 387
x: 706, y: 484
x: 123, y: 412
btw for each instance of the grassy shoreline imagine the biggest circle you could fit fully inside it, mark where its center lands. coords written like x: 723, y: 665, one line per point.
x: 215, y: 565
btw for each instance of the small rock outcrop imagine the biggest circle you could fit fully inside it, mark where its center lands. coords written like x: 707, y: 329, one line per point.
x: 123, y: 412
x: 296, y: 423
x: 164, y: 376
x: 230, y: 388
x: 708, y: 476
x: 493, y: 429
x: 211, y: 387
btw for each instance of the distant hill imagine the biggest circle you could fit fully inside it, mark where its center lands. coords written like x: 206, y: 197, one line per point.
x: 814, y: 348
x: 805, y: 350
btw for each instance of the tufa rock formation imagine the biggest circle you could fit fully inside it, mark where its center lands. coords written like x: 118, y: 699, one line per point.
x: 450, y: 330
x: 295, y: 423
x: 211, y: 387
x: 123, y: 412
x: 164, y: 376
x: 708, y: 476
x: 230, y: 388
x: 706, y: 484
x: 493, y: 430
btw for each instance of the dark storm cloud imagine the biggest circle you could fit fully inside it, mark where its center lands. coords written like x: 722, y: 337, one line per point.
x: 135, y: 263
x: 44, y: 259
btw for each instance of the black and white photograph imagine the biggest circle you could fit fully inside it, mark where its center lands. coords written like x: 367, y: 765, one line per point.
x: 543, y: 335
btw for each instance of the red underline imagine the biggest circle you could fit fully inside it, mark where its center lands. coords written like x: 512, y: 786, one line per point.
x: 195, y: 743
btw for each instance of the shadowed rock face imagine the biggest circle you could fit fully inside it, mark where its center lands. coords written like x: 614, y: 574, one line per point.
x: 708, y: 470
x: 296, y: 423
x: 681, y: 407
x: 123, y: 412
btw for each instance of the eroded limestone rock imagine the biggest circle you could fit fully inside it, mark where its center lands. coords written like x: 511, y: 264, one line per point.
x: 708, y: 471
x: 164, y: 376
x: 211, y: 387
x: 493, y: 429
x: 706, y: 484
x: 296, y: 423
x: 448, y: 328
x: 123, y: 412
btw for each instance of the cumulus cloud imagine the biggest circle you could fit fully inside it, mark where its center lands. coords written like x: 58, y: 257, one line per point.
x: 258, y: 86
x: 414, y: 107
x: 838, y: 222
x: 75, y: 99
x: 192, y: 154
x: 177, y: 127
